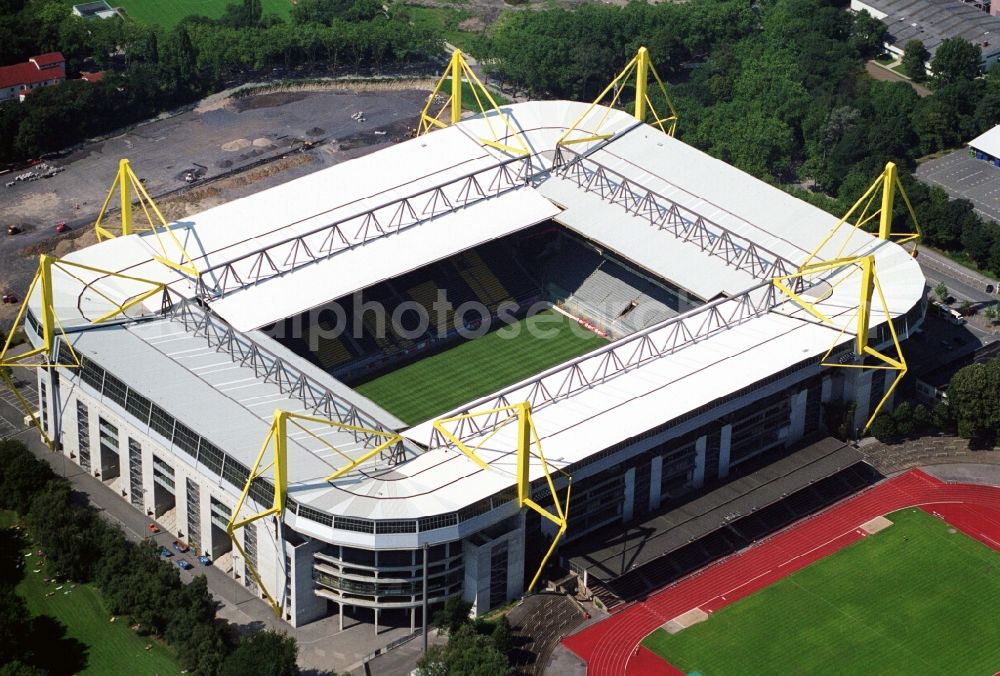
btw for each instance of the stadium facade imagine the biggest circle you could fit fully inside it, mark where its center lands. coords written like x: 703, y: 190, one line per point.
x: 172, y: 399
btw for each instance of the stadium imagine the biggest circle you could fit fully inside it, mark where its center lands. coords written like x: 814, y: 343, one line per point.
x: 427, y: 371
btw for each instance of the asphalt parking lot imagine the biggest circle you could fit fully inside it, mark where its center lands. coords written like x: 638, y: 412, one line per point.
x: 217, y: 139
x: 962, y: 175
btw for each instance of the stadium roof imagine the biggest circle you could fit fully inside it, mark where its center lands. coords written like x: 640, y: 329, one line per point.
x: 715, y: 350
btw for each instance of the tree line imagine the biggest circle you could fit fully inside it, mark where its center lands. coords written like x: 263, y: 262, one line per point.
x: 149, y: 69
x: 134, y: 582
x: 778, y: 89
x: 971, y: 409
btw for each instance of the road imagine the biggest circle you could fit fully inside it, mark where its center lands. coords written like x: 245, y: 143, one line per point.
x: 963, y: 284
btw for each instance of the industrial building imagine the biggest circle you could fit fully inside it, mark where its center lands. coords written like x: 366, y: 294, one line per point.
x: 986, y: 146
x: 728, y: 305
x: 934, y: 21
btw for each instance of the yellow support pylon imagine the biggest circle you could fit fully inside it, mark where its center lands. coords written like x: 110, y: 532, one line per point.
x: 129, y: 186
x: 640, y: 67
x: 885, y: 188
x: 277, y: 438
x: 51, y: 326
x: 862, y: 320
x: 527, y: 437
x: 457, y: 72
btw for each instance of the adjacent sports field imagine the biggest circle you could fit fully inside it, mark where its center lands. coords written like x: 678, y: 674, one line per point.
x: 480, y: 366
x: 168, y: 13
x: 916, y: 598
x: 108, y: 647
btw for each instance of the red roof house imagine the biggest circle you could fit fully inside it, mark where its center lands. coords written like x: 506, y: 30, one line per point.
x: 38, y: 71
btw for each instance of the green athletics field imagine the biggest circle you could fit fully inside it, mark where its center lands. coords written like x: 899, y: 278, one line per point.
x: 478, y: 367
x: 107, y: 647
x: 915, y: 598
x: 168, y: 13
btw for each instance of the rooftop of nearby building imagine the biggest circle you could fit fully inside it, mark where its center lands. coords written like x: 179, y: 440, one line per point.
x: 48, y: 60
x: 934, y: 21
x: 37, y: 69
x: 988, y: 142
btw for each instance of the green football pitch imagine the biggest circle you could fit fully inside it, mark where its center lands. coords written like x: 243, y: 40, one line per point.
x: 480, y: 366
x: 168, y: 13
x: 916, y: 598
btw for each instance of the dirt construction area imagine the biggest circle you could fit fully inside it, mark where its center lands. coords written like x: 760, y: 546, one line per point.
x: 223, y: 149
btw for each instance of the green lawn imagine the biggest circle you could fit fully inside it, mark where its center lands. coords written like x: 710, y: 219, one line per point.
x: 478, y: 367
x: 167, y: 13
x: 912, y: 599
x: 111, y: 647
x: 443, y: 21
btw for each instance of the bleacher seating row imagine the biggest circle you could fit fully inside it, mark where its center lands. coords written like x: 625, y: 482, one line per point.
x: 542, y: 263
x: 490, y: 275
x: 736, y: 535
x: 607, y: 292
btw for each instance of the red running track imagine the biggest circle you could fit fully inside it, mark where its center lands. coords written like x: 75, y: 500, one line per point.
x: 609, y: 647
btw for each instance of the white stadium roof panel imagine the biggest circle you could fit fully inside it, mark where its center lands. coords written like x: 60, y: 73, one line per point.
x: 384, y: 258
x: 632, y: 237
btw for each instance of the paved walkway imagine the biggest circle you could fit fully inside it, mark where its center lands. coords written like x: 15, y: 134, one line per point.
x: 880, y: 72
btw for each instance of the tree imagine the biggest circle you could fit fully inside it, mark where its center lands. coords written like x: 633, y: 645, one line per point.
x: 974, y: 399
x: 867, y: 35
x: 991, y: 314
x: 454, y: 614
x: 956, y: 59
x: 941, y: 291
x: 468, y: 653
x: 884, y: 428
x: 903, y: 416
x: 915, y: 57
x: 22, y: 476
x: 266, y: 653
x: 503, y: 637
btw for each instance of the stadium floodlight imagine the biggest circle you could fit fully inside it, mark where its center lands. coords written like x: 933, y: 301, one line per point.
x: 127, y: 185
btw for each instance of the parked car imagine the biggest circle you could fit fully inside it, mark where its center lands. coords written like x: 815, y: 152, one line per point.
x: 165, y: 553
x: 13, y: 229
x: 204, y: 560
x: 9, y: 298
x: 61, y: 227
x: 184, y: 565
x: 153, y: 528
x: 180, y: 546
